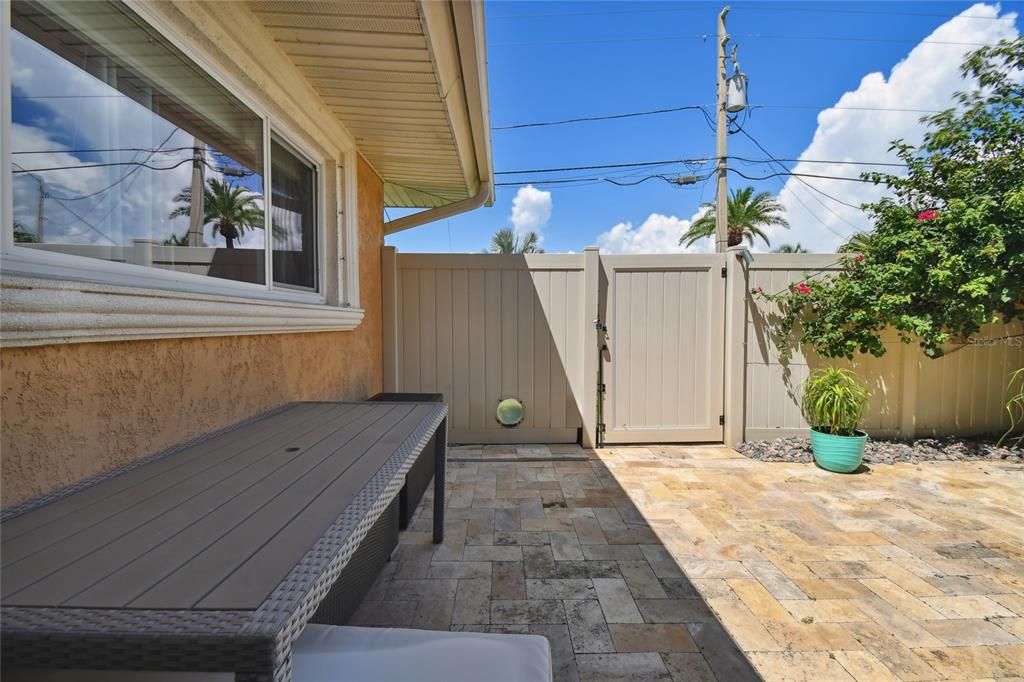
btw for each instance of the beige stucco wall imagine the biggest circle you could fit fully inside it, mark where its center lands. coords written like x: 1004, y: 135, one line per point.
x: 71, y: 411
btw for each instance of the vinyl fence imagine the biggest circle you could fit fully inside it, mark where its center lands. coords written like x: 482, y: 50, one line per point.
x: 962, y: 392
x: 479, y: 328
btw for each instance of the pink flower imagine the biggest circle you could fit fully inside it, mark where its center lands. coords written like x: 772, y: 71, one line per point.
x: 859, y: 257
x: 802, y: 289
x: 930, y: 214
x: 760, y: 290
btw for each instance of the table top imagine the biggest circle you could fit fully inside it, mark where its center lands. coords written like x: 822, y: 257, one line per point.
x: 218, y: 525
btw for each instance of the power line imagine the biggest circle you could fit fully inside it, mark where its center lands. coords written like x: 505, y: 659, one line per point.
x: 129, y: 173
x: 641, y: 180
x: 140, y: 164
x: 822, y: 10
x: 798, y: 175
x: 594, y: 14
x: 755, y: 8
x: 628, y: 172
x: 860, y: 39
x: 705, y: 38
x: 595, y: 180
x: 633, y: 114
x: 801, y: 180
x: 795, y: 195
x: 801, y: 201
x: 828, y: 161
x: 839, y: 108
x: 784, y: 173
x: 698, y: 162
x: 603, y: 165
x: 157, y: 150
x: 607, y: 117
x: 87, y: 223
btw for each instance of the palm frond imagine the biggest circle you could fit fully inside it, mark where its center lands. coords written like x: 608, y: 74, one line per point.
x: 747, y: 213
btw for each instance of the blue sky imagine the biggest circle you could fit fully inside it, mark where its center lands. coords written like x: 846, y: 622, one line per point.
x: 550, y: 61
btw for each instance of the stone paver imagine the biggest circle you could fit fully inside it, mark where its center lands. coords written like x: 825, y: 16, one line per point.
x: 898, y: 573
x: 656, y: 562
x: 552, y: 545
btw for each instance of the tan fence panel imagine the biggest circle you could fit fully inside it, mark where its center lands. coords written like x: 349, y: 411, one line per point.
x: 479, y: 328
x: 962, y: 392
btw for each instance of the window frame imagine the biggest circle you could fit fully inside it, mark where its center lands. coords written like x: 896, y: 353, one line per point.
x: 337, y: 282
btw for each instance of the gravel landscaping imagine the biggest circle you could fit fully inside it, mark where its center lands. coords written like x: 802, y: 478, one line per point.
x: 949, y: 449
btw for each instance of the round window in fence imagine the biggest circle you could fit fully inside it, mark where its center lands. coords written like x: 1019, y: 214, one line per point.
x: 509, y: 412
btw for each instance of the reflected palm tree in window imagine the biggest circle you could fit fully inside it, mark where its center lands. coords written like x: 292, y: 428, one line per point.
x: 231, y: 209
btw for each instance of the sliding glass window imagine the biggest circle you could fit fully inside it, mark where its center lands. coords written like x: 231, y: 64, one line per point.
x: 124, y: 149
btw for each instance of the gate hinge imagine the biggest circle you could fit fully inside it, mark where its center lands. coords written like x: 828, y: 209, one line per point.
x: 721, y: 420
x: 724, y: 272
x: 601, y: 427
x: 601, y: 388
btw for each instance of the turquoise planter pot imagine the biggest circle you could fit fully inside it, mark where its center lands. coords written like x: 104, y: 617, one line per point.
x: 841, y: 454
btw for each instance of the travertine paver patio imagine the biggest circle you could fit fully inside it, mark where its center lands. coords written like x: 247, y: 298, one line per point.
x: 545, y: 541
x: 912, y: 572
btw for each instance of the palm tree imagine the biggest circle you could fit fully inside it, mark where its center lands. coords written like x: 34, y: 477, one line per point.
x: 231, y: 208
x: 175, y: 240
x: 22, y: 235
x: 859, y: 242
x: 748, y: 213
x: 506, y: 240
x: 790, y: 248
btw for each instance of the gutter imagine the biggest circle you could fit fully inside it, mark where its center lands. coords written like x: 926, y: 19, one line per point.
x: 484, y: 195
x: 461, y: 64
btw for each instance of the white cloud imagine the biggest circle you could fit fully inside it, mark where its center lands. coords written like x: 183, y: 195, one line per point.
x: 531, y: 210
x: 925, y: 79
x: 658, y: 234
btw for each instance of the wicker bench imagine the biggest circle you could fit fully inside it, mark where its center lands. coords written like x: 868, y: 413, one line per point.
x: 212, y: 556
x: 422, y: 472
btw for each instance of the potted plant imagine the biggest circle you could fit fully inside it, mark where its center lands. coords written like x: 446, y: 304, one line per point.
x: 833, y: 404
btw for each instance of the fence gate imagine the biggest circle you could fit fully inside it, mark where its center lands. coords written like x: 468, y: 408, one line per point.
x: 663, y: 362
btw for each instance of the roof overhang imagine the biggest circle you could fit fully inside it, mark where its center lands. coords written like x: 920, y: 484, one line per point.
x: 408, y: 79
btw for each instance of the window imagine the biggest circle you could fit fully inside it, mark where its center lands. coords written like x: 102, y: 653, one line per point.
x: 293, y: 217
x: 123, y: 149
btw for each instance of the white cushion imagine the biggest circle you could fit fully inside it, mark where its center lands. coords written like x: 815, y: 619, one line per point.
x: 328, y: 653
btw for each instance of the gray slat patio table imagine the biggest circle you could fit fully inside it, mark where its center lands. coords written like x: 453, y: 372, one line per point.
x: 211, y: 556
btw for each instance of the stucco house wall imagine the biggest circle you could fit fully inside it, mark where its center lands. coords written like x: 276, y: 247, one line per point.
x: 70, y: 411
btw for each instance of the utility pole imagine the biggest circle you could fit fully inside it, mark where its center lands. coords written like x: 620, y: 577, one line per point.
x: 721, y: 130
x: 198, y: 209
x: 39, y: 215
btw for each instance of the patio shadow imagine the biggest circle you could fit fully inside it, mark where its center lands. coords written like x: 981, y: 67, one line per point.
x: 553, y: 545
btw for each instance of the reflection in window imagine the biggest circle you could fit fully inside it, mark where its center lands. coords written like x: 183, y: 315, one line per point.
x: 124, y: 150
x: 293, y: 217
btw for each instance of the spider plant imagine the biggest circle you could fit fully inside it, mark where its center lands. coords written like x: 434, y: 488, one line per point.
x: 834, y: 401
x: 1014, y: 407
